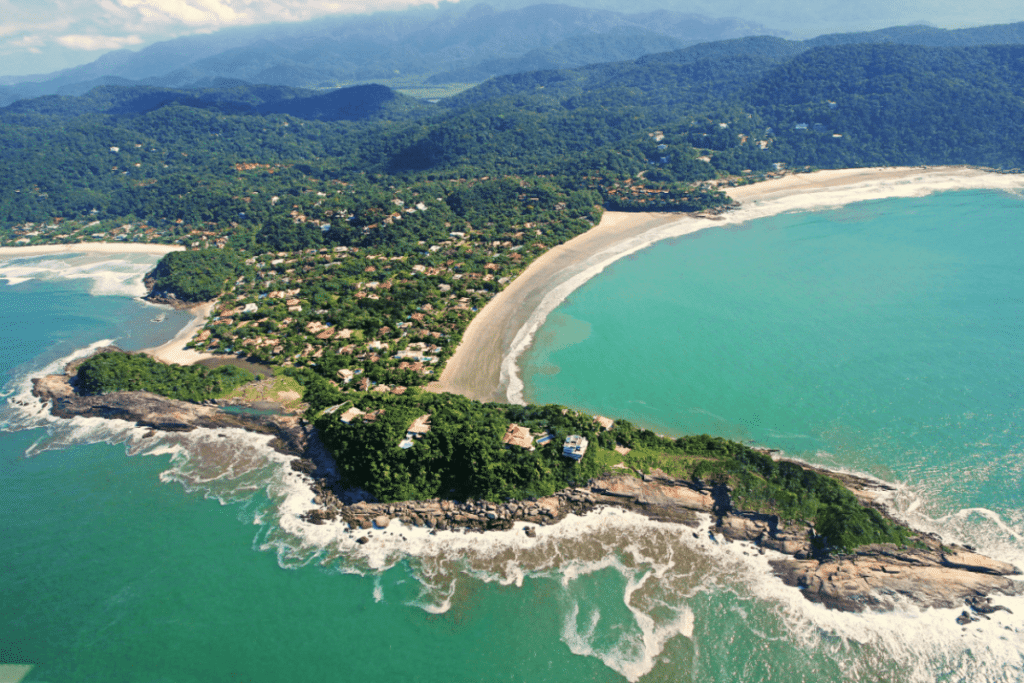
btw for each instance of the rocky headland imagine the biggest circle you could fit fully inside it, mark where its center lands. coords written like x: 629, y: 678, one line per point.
x: 928, y: 572
x: 291, y: 434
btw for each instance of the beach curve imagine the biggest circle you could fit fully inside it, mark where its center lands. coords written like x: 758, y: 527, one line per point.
x: 174, y: 351
x: 484, y: 366
x: 476, y: 369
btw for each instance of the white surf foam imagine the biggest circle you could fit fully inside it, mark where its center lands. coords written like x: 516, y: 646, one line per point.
x: 24, y: 410
x: 668, y: 569
x: 118, y: 276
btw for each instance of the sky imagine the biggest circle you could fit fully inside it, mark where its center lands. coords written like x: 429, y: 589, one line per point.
x: 42, y: 36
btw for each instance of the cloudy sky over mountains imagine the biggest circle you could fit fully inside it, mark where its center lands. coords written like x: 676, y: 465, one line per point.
x: 41, y: 36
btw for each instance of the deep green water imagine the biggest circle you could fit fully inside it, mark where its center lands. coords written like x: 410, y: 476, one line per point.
x: 883, y: 337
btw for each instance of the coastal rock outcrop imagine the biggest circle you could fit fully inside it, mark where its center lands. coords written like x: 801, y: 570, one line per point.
x: 150, y: 410
x: 930, y: 574
x: 875, y: 576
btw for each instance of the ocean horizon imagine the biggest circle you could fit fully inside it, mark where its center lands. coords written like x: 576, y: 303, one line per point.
x: 878, y: 336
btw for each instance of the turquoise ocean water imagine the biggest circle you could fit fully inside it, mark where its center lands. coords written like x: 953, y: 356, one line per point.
x: 883, y: 337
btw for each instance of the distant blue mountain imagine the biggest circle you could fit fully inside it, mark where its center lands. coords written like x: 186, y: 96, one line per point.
x: 444, y: 44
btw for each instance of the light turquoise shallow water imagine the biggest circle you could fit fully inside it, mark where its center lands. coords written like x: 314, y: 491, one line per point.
x: 883, y: 337
x: 886, y: 336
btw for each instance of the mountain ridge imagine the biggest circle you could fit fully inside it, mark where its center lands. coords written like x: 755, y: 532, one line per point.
x: 417, y: 43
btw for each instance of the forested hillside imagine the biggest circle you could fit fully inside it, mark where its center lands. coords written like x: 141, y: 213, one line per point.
x: 216, y: 157
x: 349, y: 238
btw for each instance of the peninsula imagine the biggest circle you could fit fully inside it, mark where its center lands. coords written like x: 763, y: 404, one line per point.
x: 384, y: 270
x: 833, y: 539
x: 844, y: 548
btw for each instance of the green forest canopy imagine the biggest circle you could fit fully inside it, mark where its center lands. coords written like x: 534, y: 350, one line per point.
x: 113, y: 371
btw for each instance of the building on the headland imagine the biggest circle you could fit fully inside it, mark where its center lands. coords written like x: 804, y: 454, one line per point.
x: 419, y: 427
x: 518, y: 436
x: 351, y: 414
x: 575, y: 447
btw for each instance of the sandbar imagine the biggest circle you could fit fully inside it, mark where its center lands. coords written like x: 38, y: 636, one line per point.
x: 90, y: 248
x: 484, y: 364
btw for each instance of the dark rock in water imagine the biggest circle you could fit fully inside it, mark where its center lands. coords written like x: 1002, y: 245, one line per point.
x: 362, y: 540
x: 964, y: 619
x: 531, y: 532
x: 150, y: 433
x: 304, y: 465
x: 982, y: 604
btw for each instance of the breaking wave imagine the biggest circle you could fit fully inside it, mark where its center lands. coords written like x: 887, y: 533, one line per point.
x: 644, y: 598
x: 119, y: 276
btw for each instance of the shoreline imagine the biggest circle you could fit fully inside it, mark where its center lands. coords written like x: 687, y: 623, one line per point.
x: 89, y: 248
x: 484, y: 366
x: 930, y: 573
x: 478, y: 368
x: 174, y: 351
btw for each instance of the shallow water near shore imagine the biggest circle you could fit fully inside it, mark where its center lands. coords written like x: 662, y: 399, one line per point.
x: 884, y: 336
x: 182, y: 557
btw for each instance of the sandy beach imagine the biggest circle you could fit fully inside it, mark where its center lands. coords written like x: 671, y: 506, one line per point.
x: 174, y: 351
x: 475, y: 368
x: 825, y: 181
x: 89, y: 248
x: 484, y: 365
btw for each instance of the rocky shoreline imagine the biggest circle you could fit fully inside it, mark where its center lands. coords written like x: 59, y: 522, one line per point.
x: 930, y: 574
x: 291, y: 434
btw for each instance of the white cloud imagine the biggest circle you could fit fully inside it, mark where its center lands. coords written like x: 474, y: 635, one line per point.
x: 213, y: 14
x: 31, y: 43
x: 87, y: 42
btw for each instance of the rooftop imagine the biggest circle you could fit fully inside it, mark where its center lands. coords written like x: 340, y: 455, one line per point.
x: 419, y: 426
x: 575, y: 447
x: 519, y: 436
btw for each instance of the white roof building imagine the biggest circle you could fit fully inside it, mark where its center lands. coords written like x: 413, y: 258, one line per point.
x: 575, y: 447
